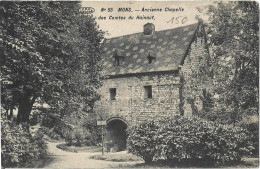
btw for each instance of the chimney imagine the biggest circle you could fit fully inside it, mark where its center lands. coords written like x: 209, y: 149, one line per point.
x: 149, y: 29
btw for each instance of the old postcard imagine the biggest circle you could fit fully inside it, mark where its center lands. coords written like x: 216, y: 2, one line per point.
x: 129, y: 84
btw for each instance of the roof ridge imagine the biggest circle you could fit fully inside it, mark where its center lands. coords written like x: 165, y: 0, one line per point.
x: 181, y: 27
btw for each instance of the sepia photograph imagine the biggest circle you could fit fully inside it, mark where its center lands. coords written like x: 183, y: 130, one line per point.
x: 129, y: 84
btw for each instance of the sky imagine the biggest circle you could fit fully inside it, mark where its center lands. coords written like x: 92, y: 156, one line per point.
x: 167, y: 18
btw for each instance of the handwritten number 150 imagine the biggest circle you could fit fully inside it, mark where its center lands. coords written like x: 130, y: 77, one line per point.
x: 177, y: 20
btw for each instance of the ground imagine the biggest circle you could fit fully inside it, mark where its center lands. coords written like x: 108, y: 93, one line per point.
x: 58, y: 158
x: 64, y: 159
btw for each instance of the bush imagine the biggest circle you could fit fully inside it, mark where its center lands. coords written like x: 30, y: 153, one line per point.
x: 53, y: 134
x: 189, y: 138
x: 88, y: 138
x: 194, y: 138
x: 93, y: 134
x: 19, y: 148
x: 79, y: 136
x: 141, y: 140
x: 69, y: 136
x: 253, y: 129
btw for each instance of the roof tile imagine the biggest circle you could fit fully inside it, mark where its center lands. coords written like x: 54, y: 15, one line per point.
x: 167, y: 46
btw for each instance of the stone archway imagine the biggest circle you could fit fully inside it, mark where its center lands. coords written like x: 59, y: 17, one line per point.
x: 116, y: 134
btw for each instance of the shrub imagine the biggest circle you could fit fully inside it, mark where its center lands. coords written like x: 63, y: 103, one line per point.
x: 194, y: 138
x: 93, y: 135
x: 69, y: 136
x: 53, y: 134
x: 189, y: 138
x: 79, y: 136
x: 88, y: 138
x: 19, y: 148
x: 253, y: 129
x: 141, y: 140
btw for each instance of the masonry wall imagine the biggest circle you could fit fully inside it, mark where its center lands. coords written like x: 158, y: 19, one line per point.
x: 131, y: 103
x: 194, y: 77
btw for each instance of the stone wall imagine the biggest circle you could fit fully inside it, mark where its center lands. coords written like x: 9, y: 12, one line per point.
x: 194, y: 74
x: 131, y: 103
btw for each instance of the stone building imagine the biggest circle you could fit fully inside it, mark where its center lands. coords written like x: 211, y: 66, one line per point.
x: 142, y: 76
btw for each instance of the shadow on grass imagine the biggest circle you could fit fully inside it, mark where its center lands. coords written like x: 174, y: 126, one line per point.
x: 117, y: 157
x: 172, y: 164
x: 41, y: 163
x: 75, y: 149
x: 245, y: 163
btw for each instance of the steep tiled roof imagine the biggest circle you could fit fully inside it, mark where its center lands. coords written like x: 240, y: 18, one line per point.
x: 167, y: 46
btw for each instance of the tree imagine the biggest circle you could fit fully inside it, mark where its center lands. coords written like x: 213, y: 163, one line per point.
x: 233, y: 38
x: 51, y: 54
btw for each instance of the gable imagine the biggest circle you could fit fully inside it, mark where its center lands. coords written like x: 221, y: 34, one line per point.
x: 167, y: 47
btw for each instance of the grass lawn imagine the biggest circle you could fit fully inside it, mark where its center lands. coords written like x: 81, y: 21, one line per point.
x: 83, y: 148
x: 246, y: 163
x: 122, y: 156
x: 40, y: 163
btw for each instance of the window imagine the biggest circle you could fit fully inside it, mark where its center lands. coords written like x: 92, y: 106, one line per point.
x: 117, y: 61
x: 148, y: 91
x: 112, y: 93
x: 150, y: 58
x: 118, y: 55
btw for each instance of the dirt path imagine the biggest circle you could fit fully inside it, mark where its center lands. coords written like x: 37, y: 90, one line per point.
x: 64, y: 159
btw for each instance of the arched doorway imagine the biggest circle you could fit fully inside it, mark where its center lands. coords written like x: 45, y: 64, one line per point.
x: 116, y: 134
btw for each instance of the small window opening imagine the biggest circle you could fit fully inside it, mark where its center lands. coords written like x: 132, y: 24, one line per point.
x: 150, y: 58
x: 148, y: 91
x: 117, y: 61
x: 112, y: 93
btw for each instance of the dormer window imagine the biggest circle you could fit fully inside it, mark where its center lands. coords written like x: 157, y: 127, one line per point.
x: 150, y: 58
x: 118, y: 57
x: 117, y: 60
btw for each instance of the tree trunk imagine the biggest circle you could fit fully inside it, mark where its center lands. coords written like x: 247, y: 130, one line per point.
x: 10, y: 116
x: 25, y: 107
x: 194, y: 108
x: 181, y: 104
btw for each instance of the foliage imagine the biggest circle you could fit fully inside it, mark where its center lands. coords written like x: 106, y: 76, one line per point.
x: 50, y: 55
x: 189, y: 138
x: 79, y: 136
x: 253, y: 129
x: 89, y: 139
x: 53, y: 135
x: 141, y: 140
x: 94, y: 133
x: 193, y: 138
x: 233, y: 38
x: 18, y: 145
x: 69, y: 136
